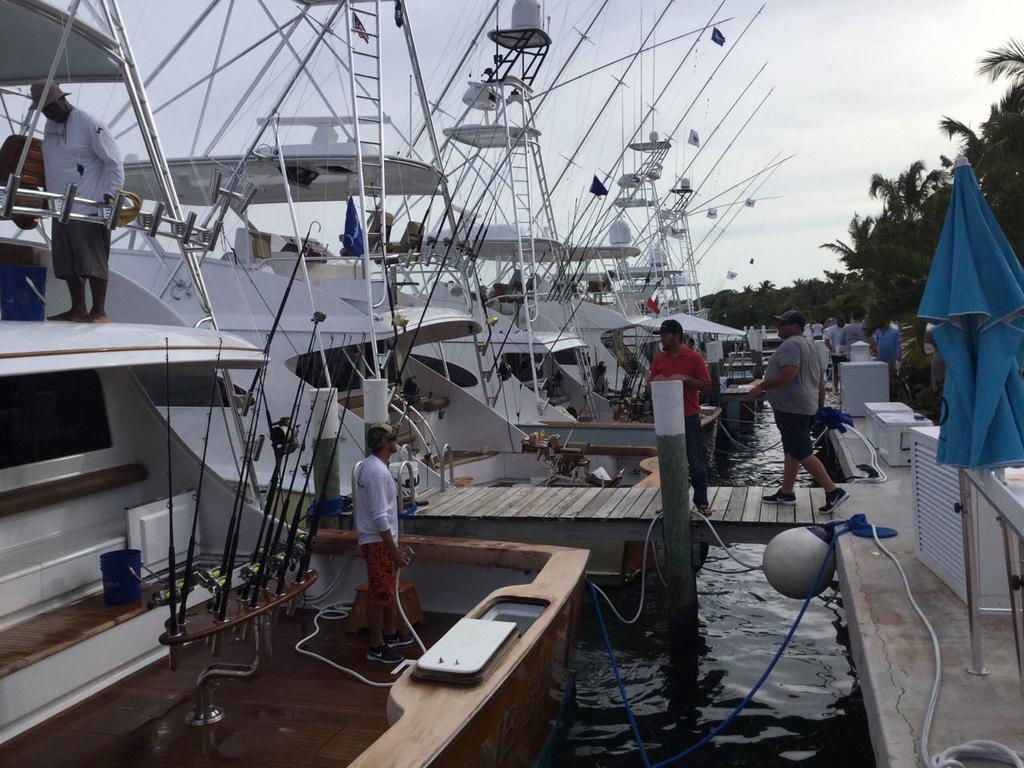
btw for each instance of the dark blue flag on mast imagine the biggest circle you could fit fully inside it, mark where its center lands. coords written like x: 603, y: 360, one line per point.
x: 353, y: 237
x: 597, y: 188
x: 717, y: 37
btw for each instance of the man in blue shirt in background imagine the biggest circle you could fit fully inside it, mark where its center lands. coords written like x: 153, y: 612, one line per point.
x: 887, y: 344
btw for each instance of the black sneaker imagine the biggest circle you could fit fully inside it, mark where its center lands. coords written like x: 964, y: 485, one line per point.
x: 398, y: 640
x: 833, y: 500
x: 384, y: 654
x: 785, y: 499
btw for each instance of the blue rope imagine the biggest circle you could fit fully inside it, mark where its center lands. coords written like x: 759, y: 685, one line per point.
x: 854, y: 524
x: 408, y: 512
x: 332, y: 507
x: 618, y: 677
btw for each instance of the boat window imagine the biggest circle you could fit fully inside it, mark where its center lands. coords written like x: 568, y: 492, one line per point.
x: 566, y: 357
x: 48, y: 415
x: 460, y: 377
x: 187, y: 390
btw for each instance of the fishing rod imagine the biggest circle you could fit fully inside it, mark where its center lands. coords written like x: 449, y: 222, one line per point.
x: 172, y: 578
x: 186, y: 585
x: 314, y: 526
x: 266, y: 548
x: 258, y: 387
x: 282, y: 441
x: 771, y: 164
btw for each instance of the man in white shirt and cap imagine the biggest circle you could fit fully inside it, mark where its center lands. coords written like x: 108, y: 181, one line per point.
x: 78, y: 149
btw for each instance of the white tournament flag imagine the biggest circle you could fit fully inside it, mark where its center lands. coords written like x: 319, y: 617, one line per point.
x: 730, y: 275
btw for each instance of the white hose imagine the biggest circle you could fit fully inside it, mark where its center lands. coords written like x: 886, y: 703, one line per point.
x: 643, y: 580
x: 746, y: 566
x: 342, y: 610
x: 952, y: 757
x: 874, y: 461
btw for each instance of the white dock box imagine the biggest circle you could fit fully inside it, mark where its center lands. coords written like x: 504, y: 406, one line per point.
x: 873, y: 409
x: 863, y: 383
x: 938, y: 529
x: 894, y: 435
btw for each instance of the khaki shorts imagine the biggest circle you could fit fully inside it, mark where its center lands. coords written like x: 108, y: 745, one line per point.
x: 81, y: 249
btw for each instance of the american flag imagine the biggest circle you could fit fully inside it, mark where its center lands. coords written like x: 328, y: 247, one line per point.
x: 359, y: 29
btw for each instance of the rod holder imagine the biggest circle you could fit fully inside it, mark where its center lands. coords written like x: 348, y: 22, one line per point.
x: 205, y: 713
x: 10, y: 192
x: 155, y: 221
x: 185, y: 233
x: 115, y: 210
x: 67, y: 203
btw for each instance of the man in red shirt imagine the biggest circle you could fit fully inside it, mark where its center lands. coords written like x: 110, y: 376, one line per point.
x: 677, y: 362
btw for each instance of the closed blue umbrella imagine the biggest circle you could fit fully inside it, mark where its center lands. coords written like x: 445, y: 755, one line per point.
x: 975, y: 297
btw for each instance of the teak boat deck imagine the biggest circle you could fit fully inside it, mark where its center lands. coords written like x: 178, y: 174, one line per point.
x: 299, y: 712
x: 595, y: 514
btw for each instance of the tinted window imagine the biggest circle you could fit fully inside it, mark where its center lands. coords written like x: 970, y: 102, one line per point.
x: 460, y: 377
x: 186, y: 390
x: 48, y: 415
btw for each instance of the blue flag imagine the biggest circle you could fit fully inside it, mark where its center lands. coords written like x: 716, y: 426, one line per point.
x: 352, y: 240
x: 717, y: 37
x: 597, y: 188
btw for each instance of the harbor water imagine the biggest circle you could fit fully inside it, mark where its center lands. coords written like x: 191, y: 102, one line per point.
x: 809, y: 713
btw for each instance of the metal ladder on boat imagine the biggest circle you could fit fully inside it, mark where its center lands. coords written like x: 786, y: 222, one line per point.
x: 365, y: 74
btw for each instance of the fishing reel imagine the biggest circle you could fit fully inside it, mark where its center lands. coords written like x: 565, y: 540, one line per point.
x: 283, y: 437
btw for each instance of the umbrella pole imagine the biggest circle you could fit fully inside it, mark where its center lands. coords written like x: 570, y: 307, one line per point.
x: 971, y: 576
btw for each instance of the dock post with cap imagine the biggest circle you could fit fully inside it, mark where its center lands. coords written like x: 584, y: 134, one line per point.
x: 670, y: 432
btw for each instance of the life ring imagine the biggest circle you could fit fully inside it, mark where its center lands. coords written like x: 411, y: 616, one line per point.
x: 33, y: 175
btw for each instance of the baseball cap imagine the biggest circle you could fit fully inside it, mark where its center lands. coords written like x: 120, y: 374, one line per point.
x: 670, y: 326
x: 791, y: 317
x: 53, y: 93
x: 387, y: 428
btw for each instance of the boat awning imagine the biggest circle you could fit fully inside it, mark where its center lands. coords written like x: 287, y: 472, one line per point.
x: 490, y: 136
x: 692, y: 324
x: 29, y: 37
x: 45, y: 347
x: 613, y: 252
x: 317, y: 173
x: 543, y: 341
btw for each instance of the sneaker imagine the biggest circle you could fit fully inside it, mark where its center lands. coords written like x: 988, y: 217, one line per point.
x: 833, y: 500
x: 785, y: 499
x: 384, y: 654
x: 398, y: 640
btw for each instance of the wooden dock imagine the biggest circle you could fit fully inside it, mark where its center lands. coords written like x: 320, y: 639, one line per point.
x: 573, y: 515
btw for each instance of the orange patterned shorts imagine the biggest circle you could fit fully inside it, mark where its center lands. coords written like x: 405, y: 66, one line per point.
x: 380, y: 573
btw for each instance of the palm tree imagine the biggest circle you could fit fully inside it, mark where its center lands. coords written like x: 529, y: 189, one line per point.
x: 1007, y: 61
x: 859, y: 231
x: 903, y: 198
x: 765, y: 286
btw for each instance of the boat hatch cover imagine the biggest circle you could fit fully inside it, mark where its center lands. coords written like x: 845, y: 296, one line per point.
x: 466, y: 650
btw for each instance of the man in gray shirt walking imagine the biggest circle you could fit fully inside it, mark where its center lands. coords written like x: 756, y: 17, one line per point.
x: 854, y: 332
x: 796, y: 390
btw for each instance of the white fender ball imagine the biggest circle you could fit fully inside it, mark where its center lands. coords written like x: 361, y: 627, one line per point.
x: 793, y: 557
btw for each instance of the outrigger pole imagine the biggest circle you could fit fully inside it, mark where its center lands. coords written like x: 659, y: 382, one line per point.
x: 172, y: 575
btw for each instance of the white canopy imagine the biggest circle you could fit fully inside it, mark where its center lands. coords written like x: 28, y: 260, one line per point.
x: 29, y: 36
x: 318, y: 172
x: 43, y: 347
x: 691, y: 324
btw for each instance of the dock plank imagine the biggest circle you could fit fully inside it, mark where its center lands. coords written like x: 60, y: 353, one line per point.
x: 752, y: 505
x: 734, y: 511
x: 493, y: 501
x: 609, y: 505
x: 818, y: 500
x: 637, y: 511
x: 581, y: 503
x: 719, y: 503
x: 651, y: 508
x: 567, y: 501
x: 803, y: 514
x: 455, y: 500
x: 626, y: 501
x: 590, y: 510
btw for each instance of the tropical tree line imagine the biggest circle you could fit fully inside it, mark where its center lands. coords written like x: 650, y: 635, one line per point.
x: 887, y: 255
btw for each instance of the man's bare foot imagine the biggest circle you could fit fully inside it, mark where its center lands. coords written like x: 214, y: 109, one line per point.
x: 69, y: 316
x: 95, y: 317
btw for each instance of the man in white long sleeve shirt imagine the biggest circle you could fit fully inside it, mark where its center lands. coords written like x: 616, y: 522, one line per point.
x: 78, y: 149
x: 377, y: 525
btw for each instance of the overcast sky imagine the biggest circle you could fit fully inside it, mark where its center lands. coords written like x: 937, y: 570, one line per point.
x: 858, y: 88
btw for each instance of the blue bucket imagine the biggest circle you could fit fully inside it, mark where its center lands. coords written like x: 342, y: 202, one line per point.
x: 17, y: 299
x: 120, y: 587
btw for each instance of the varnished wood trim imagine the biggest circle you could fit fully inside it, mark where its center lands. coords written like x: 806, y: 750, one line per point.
x: 68, y: 488
x: 204, y: 625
